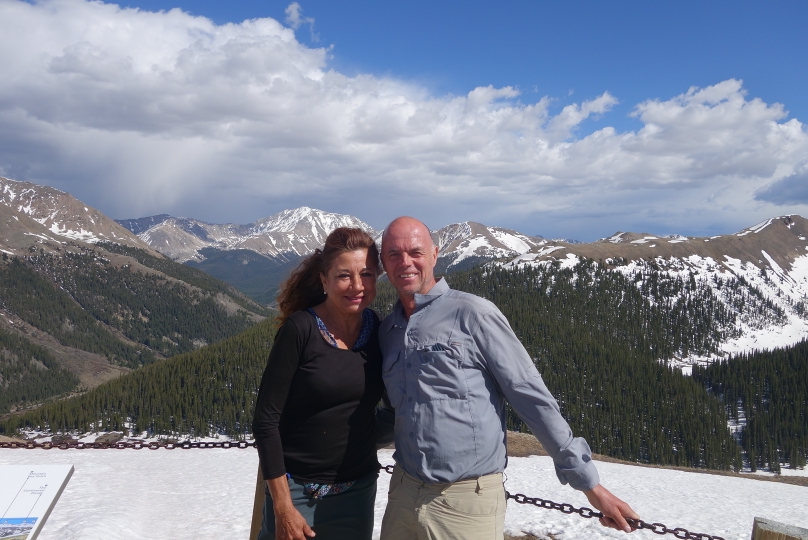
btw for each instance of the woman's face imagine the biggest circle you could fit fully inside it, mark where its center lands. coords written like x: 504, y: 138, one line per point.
x: 350, y: 283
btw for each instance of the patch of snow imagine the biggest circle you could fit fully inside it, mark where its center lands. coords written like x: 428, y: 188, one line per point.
x: 644, y: 240
x: 570, y: 261
x: 478, y: 246
x: 123, y: 495
x: 41, y: 237
x: 81, y: 234
x: 511, y: 241
x: 762, y: 225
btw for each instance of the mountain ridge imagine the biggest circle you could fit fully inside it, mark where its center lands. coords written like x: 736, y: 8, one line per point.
x: 62, y: 214
x: 78, y: 292
x: 765, y: 265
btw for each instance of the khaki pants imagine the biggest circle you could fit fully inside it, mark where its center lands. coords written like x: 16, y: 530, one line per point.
x: 465, y: 510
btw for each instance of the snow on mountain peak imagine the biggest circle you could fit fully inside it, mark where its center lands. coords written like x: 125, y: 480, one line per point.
x: 460, y: 241
x: 293, y: 232
x: 62, y: 214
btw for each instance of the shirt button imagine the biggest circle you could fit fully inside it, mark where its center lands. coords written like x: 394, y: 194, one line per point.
x: 409, y: 364
x: 411, y: 435
x: 409, y: 399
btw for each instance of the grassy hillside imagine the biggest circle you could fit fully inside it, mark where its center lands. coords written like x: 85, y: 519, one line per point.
x: 209, y: 390
x: 29, y: 374
x: 123, y: 305
x: 45, y: 305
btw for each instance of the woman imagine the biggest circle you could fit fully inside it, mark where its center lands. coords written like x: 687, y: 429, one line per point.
x: 314, y: 423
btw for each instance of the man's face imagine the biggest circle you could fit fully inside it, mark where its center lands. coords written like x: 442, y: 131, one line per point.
x: 409, y: 257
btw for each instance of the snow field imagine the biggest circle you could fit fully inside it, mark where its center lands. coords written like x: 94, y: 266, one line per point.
x: 190, y: 494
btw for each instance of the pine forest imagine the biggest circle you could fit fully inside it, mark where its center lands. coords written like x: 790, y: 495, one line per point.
x: 600, y: 344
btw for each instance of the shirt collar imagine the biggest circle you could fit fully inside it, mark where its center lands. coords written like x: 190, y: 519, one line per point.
x: 437, y: 290
x: 421, y: 301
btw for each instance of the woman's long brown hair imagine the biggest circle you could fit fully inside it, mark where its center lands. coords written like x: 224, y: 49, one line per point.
x: 304, y: 289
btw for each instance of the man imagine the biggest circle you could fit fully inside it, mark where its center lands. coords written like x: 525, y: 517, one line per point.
x: 451, y: 361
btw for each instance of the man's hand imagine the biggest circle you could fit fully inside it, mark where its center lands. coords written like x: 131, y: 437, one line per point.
x: 613, y: 509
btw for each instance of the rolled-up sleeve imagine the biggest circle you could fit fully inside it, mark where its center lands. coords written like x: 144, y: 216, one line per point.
x: 522, y: 386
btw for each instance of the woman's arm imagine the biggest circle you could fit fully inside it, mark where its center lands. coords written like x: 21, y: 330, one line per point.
x: 283, y: 362
x: 385, y: 422
x: 289, y: 524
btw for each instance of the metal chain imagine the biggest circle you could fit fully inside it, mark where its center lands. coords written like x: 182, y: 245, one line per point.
x: 656, y: 528
x: 154, y: 445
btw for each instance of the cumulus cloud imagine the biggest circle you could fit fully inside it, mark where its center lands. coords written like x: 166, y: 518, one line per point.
x: 141, y: 112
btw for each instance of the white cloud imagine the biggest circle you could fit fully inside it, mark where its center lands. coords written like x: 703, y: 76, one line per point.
x: 295, y: 19
x: 143, y: 112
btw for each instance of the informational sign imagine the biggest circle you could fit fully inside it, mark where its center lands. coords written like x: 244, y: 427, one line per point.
x: 28, y: 493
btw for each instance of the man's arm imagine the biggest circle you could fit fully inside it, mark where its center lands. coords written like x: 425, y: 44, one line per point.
x: 520, y: 383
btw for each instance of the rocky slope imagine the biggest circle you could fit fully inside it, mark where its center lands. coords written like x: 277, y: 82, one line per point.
x: 61, y: 214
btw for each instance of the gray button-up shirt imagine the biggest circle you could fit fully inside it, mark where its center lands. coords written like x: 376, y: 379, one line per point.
x: 448, y: 371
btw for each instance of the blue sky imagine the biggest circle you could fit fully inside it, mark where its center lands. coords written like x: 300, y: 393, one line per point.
x: 571, y: 119
x: 636, y: 50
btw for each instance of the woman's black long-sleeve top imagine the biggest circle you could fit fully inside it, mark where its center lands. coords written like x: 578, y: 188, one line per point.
x: 315, y: 412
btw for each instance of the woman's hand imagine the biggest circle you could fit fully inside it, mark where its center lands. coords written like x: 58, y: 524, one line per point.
x: 289, y: 524
x: 614, y: 510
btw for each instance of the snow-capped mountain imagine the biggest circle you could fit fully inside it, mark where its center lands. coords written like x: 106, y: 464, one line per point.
x: 469, y: 240
x: 289, y: 233
x: 759, y: 276
x: 60, y: 214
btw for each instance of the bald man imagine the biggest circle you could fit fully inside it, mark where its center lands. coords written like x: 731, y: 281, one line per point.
x: 451, y: 361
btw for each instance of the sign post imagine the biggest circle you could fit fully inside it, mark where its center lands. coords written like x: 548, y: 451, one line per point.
x: 28, y: 494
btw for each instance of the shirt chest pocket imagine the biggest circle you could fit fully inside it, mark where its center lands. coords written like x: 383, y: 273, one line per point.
x: 440, y: 371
